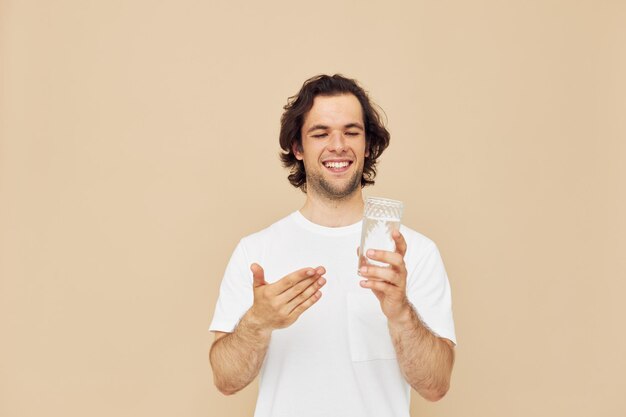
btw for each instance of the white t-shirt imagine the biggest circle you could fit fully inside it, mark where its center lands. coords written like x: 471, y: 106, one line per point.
x: 337, y: 359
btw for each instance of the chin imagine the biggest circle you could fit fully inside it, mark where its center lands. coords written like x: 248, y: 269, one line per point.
x: 339, y: 193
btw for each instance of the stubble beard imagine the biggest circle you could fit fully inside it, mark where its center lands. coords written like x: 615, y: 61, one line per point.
x: 318, y: 184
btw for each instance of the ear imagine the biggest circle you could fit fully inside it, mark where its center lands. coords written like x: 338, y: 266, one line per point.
x: 297, y: 150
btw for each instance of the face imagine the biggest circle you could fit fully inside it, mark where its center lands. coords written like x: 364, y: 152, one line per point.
x: 333, y: 146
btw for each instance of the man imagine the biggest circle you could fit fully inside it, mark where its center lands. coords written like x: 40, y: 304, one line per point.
x: 356, y: 350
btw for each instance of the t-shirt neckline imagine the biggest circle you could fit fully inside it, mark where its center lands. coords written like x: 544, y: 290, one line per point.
x: 329, y: 231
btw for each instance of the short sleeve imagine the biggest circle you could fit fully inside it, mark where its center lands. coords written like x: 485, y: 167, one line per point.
x: 428, y: 290
x: 236, y: 295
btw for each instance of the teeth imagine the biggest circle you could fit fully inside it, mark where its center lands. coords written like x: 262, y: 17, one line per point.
x: 336, y: 164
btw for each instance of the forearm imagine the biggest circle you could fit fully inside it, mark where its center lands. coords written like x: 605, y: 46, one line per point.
x: 237, y: 357
x: 425, y: 360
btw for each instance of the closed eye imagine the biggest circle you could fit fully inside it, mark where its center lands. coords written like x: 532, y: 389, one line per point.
x: 320, y: 135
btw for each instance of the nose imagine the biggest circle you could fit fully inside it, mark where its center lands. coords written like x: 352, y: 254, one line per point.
x: 337, y: 142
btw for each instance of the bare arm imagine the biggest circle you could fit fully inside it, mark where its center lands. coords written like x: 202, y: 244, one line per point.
x: 236, y: 357
x: 425, y: 360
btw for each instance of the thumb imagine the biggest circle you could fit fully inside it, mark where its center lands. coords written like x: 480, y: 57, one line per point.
x: 258, y: 275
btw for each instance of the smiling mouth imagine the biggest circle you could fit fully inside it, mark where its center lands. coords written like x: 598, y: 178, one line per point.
x: 337, y: 166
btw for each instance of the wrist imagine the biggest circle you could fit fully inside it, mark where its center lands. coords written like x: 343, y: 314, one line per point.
x: 404, y: 318
x: 255, y: 324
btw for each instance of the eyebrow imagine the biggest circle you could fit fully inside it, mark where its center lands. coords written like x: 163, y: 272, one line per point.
x: 324, y: 127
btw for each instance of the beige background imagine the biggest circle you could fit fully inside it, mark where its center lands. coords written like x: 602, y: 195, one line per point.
x: 138, y: 143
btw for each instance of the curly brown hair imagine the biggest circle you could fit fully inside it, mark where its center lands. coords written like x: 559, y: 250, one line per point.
x: 376, y: 135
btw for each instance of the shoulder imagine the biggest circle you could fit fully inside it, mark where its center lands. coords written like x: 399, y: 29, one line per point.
x: 416, y: 240
x: 263, y: 237
x: 420, y: 250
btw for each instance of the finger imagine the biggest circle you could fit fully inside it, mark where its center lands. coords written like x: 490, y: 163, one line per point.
x: 306, y: 304
x: 320, y: 270
x: 392, y: 258
x: 381, y: 286
x: 292, y: 279
x: 380, y: 273
x: 258, y: 275
x: 291, y: 293
x: 400, y: 242
x: 306, y: 294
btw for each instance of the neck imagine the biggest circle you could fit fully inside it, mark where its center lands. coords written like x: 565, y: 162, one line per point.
x: 333, y: 213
